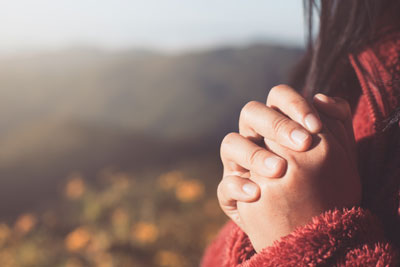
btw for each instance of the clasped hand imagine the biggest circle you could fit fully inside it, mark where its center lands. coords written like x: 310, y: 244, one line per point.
x: 290, y: 161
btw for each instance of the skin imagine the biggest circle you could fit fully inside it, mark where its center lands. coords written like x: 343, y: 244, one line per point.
x: 308, y: 175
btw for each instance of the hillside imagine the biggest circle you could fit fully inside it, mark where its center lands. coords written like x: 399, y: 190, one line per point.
x: 85, y: 109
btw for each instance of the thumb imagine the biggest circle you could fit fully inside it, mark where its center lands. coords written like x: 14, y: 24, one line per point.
x: 335, y: 108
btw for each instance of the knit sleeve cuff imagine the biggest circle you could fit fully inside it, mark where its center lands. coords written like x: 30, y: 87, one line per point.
x: 325, y: 240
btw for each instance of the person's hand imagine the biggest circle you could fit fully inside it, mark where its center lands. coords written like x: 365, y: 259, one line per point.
x: 323, y: 178
x: 243, y: 152
x: 287, y: 119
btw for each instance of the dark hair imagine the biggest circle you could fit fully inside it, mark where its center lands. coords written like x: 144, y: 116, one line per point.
x: 345, y: 27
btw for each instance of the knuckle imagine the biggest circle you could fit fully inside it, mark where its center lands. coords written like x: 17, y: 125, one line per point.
x: 220, y: 190
x: 277, y: 89
x: 280, y: 125
x: 254, y: 155
x: 227, y: 188
x: 229, y: 138
x: 227, y: 141
x: 248, y: 108
x: 298, y: 103
x: 231, y: 186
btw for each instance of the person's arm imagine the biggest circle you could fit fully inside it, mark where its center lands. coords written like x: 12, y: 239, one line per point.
x: 344, y: 250
x: 373, y: 250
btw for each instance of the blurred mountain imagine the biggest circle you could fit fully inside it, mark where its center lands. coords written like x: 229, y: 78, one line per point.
x: 85, y: 109
x: 169, y: 95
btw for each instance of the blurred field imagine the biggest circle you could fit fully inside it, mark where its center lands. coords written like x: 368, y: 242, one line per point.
x: 123, y: 221
x: 111, y: 159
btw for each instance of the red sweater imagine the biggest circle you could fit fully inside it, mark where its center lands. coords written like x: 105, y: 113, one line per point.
x: 361, y: 236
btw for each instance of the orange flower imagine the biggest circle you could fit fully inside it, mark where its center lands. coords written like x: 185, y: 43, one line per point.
x: 77, y: 239
x: 189, y: 191
x: 75, y: 186
x: 25, y: 223
x: 145, y: 232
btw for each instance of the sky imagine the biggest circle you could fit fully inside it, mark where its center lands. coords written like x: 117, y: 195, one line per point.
x: 150, y: 24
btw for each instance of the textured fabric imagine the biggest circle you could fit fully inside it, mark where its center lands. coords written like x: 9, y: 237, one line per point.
x: 361, y: 236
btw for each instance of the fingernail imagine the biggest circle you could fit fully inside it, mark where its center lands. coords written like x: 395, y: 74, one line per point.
x: 272, y: 162
x: 299, y: 136
x: 325, y: 98
x: 312, y: 123
x: 250, y: 189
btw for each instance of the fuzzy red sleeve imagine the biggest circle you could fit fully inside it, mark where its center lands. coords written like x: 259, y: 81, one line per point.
x: 345, y: 238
